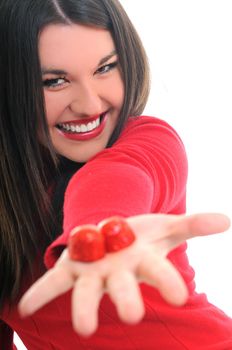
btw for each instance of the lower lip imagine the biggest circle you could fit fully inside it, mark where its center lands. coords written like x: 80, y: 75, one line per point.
x: 85, y: 136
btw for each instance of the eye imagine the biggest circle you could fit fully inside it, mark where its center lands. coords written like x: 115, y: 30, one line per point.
x: 106, y: 68
x: 54, y: 83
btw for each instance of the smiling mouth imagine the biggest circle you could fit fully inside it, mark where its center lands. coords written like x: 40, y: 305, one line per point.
x: 81, y: 127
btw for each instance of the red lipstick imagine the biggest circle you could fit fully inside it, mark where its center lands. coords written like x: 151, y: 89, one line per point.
x: 79, y: 130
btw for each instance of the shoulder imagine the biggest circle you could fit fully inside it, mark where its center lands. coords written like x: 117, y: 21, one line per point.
x: 145, y: 120
x: 145, y: 141
x: 145, y: 128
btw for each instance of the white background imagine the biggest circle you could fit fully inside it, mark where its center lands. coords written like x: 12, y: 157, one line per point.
x: 188, y: 43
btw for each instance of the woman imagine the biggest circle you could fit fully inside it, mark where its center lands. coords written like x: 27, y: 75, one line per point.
x: 74, y: 151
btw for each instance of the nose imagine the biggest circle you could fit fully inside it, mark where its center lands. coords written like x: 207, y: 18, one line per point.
x: 86, y: 100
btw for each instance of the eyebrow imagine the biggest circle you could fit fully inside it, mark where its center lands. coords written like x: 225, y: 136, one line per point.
x: 106, y: 58
x: 62, y: 72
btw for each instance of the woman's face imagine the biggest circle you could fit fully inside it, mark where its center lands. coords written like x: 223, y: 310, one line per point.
x: 83, y: 88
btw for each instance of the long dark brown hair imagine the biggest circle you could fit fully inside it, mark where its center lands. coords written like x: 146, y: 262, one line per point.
x: 27, y: 167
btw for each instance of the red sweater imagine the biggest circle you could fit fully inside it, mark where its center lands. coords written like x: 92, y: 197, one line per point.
x: 145, y: 171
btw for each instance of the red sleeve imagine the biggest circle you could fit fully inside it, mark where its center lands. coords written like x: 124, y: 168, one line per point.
x: 144, y: 171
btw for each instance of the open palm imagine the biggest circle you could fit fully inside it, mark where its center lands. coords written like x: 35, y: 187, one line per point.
x: 118, y: 273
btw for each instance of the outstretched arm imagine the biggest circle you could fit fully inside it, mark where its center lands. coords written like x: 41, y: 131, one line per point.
x: 118, y: 274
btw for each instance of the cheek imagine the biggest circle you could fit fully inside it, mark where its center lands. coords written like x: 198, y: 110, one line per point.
x: 117, y: 92
x: 112, y: 90
x: 120, y: 90
x: 54, y: 105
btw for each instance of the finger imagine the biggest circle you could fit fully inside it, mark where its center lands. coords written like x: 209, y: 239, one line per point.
x: 202, y: 224
x: 86, y: 297
x: 54, y: 283
x: 186, y: 227
x: 161, y: 274
x: 125, y: 293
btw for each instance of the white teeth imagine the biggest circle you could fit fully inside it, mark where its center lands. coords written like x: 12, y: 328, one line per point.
x: 90, y: 126
x: 81, y: 128
x: 78, y: 129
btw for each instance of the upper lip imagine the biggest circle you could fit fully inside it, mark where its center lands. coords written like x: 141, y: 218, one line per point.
x: 83, y: 120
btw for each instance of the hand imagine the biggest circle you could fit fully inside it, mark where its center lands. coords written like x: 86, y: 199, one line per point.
x: 118, y: 273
